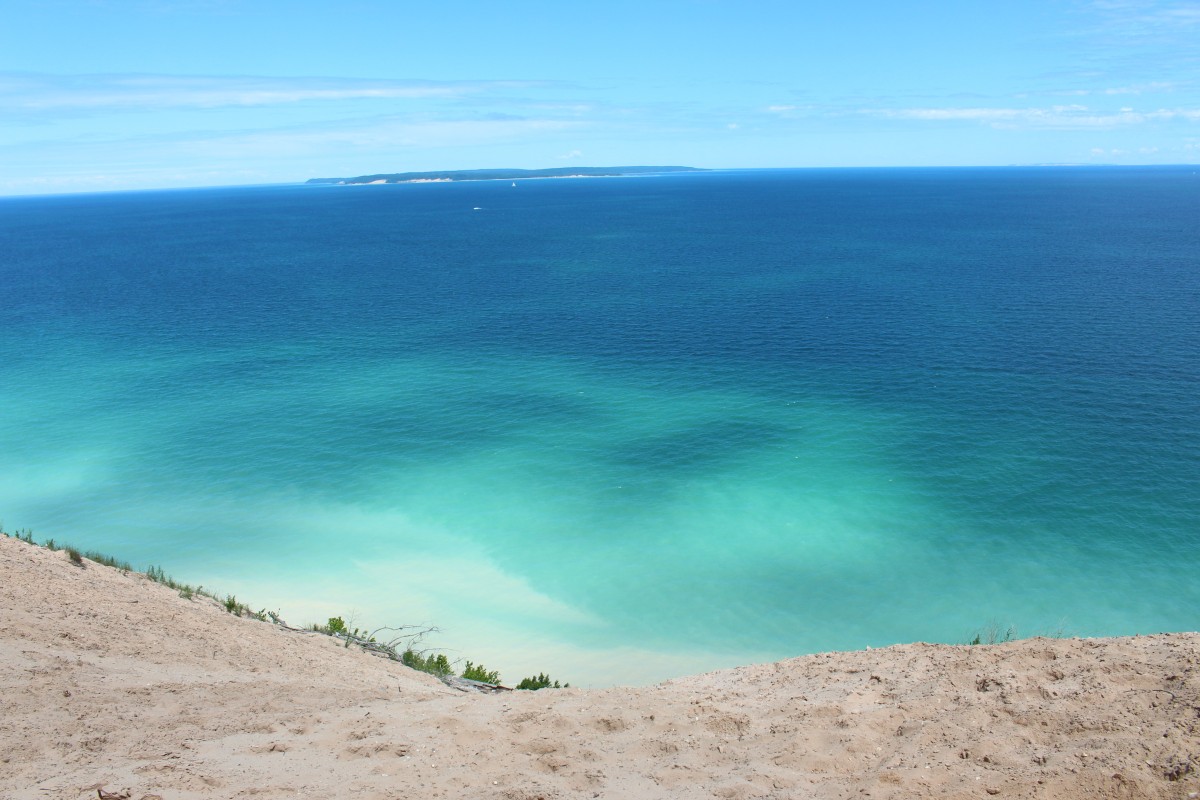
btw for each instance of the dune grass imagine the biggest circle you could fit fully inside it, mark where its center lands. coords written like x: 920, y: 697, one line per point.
x: 402, y: 643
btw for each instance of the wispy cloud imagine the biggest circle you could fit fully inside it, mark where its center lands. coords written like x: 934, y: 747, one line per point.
x: 271, y: 155
x: 1133, y: 44
x: 1157, y: 86
x: 1062, y: 116
x: 1146, y: 18
x: 383, y: 136
x: 82, y: 93
x: 377, y: 135
x: 1153, y: 87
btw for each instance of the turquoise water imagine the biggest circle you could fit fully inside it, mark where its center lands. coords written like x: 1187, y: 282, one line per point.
x: 624, y: 429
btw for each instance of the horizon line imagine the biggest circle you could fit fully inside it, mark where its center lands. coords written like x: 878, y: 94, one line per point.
x: 304, y: 181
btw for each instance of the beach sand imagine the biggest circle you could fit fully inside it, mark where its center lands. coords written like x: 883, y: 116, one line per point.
x: 113, y: 682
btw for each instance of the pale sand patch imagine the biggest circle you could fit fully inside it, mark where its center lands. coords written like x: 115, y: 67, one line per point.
x: 110, y: 679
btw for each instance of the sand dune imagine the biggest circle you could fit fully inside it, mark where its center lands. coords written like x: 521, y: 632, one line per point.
x: 111, y: 681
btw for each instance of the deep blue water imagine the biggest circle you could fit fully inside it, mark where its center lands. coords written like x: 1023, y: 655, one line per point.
x: 620, y: 429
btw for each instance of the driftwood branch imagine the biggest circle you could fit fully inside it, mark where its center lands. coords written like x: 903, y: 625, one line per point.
x: 403, y: 638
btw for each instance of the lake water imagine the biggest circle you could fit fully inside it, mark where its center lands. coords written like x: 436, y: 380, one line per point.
x: 623, y: 429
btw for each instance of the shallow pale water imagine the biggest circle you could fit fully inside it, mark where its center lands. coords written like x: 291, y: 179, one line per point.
x: 621, y: 429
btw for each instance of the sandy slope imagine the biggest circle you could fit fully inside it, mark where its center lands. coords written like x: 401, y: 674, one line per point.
x: 111, y: 680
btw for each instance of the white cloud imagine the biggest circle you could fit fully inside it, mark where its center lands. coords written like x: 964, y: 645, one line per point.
x: 1147, y: 17
x: 384, y: 136
x: 122, y: 178
x: 47, y: 93
x: 1152, y: 87
x: 1062, y: 116
x: 198, y: 158
x: 574, y: 109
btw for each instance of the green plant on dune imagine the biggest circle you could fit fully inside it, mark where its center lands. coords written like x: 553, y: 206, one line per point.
x: 186, y: 591
x: 341, y: 629
x: 435, y: 664
x: 108, y: 561
x: 478, y: 672
x: 992, y: 633
x: 234, y: 607
x: 541, y: 681
x: 400, y: 644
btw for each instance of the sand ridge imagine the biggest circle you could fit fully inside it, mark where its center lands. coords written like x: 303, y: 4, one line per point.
x: 112, y: 681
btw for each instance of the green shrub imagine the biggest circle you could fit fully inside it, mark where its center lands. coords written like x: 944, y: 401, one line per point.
x: 158, y: 575
x: 234, y: 607
x: 477, y: 672
x: 541, y: 681
x: 74, y: 556
x: 108, y: 561
x: 437, y: 665
x: 336, y: 626
x: 992, y: 634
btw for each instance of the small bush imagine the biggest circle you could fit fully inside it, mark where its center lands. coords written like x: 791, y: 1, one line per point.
x: 108, y: 561
x: 186, y: 591
x: 541, y: 681
x: 157, y: 575
x: 992, y: 634
x: 477, y: 672
x: 234, y: 607
x: 337, y: 626
x: 437, y: 665
x: 74, y: 556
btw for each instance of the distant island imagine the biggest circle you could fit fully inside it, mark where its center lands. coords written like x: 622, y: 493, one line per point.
x: 503, y: 174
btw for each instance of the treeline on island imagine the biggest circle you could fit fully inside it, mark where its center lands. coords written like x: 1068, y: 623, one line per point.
x: 503, y: 174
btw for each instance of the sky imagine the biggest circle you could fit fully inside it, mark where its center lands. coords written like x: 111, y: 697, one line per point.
x: 102, y: 95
